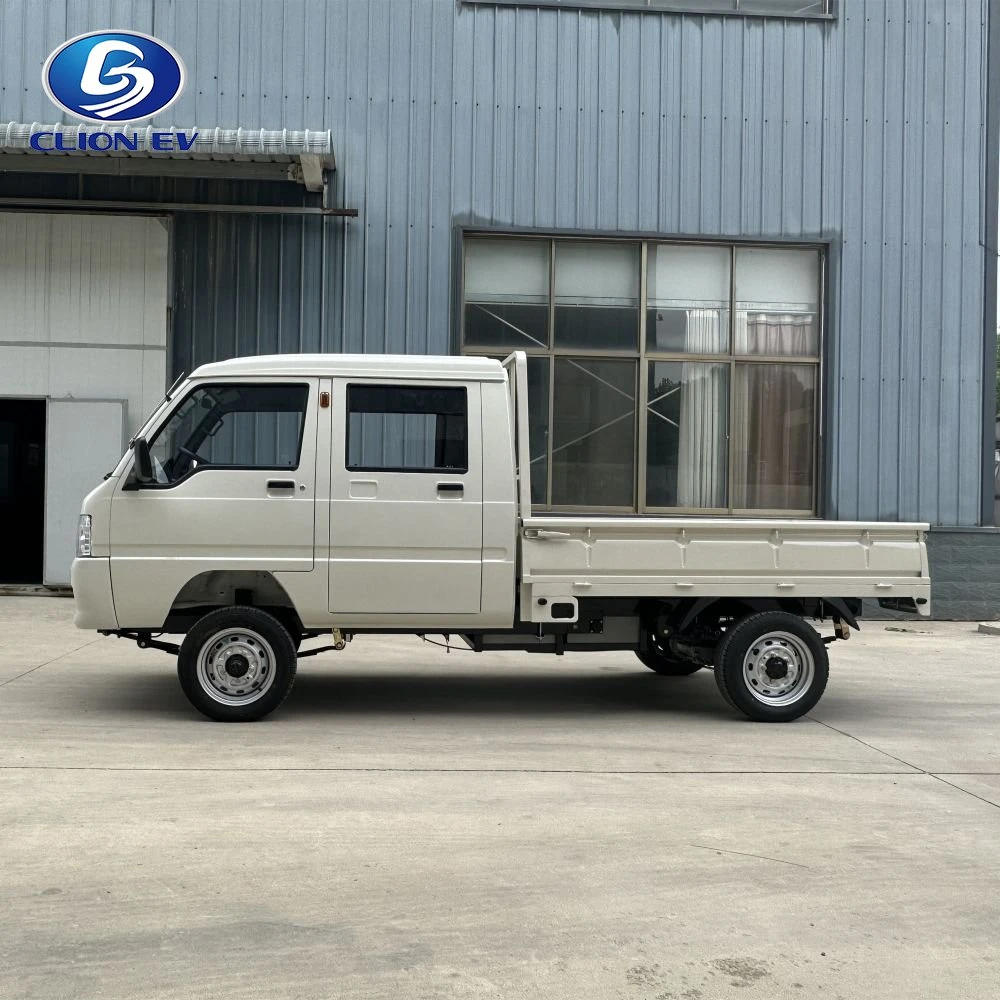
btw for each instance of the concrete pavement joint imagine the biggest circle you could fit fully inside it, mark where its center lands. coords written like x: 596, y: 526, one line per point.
x: 857, y: 739
x: 989, y: 802
x: 744, y: 854
x: 919, y: 770
x: 68, y: 652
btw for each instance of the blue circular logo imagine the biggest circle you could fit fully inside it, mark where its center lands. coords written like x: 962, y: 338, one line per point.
x: 113, y: 76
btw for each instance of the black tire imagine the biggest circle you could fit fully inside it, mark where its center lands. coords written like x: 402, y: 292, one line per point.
x: 258, y: 644
x: 658, y: 657
x: 772, y: 640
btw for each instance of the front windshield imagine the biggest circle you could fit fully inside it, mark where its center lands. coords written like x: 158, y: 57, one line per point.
x: 245, y: 426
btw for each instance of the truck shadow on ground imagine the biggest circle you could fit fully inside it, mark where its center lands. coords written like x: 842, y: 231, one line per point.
x: 578, y: 694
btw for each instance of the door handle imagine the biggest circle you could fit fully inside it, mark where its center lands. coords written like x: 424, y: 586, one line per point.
x: 450, y: 488
x: 281, y: 484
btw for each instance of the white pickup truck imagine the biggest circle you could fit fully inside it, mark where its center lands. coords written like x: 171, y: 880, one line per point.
x: 270, y: 500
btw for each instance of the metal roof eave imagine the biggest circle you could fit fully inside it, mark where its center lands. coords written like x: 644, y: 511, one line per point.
x: 282, y: 154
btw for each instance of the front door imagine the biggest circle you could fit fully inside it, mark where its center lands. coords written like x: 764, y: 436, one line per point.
x: 235, y: 468
x: 22, y: 489
x: 406, y: 500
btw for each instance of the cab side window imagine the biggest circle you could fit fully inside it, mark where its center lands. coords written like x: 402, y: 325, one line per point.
x: 231, y: 426
x: 402, y: 428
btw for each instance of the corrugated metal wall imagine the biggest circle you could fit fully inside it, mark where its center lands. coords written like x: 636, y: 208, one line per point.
x: 867, y: 131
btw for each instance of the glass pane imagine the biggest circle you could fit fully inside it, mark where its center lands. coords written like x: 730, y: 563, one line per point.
x: 593, y: 437
x: 406, y: 428
x: 790, y: 8
x: 777, y: 302
x: 687, y: 299
x: 597, y: 295
x: 687, y: 427
x: 774, y: 416
x: 696, y: 5
x: 248, y: 426
x: 506, y: 293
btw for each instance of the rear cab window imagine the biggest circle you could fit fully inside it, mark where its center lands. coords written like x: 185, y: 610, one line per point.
x: 406, y: 428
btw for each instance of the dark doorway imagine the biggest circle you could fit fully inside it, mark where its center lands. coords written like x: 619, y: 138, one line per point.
x: 22, y: 489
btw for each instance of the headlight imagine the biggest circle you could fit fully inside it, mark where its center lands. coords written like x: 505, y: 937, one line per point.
x: 83, y: 536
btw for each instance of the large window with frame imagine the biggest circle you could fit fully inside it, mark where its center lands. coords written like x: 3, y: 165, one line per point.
x: 663, y: 376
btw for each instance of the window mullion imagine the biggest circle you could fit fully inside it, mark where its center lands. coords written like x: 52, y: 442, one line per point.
x: 731, y: 436
x: 551, y: 431
x: 642, y: 388
x: 552, y: 373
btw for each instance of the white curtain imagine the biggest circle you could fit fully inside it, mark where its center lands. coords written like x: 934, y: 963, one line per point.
x: 701, y: 459
x: 776, y: 334
x: 774, y: 411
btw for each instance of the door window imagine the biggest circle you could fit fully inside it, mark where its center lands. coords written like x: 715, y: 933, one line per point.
x: 403, y: 428
x: 231, y: 426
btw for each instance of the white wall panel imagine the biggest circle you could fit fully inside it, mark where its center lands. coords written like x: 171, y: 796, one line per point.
x: 83, y: 307
x: 24, y: 370
x: 105, y: 374
x: 84, y: 440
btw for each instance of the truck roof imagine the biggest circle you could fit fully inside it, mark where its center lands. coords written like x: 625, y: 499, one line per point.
x: 361, y: 365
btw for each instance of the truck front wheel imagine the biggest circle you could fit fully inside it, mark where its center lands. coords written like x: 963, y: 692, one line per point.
x: 658, y: 657
x: 237, y: 664
x: 772, y: 666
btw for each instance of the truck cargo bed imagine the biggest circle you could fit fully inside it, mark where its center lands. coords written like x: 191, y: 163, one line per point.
x: 714, y: 557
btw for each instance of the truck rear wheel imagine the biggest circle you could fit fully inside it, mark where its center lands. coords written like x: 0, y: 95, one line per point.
x: 772, y: 666
x: 657, y: 656
x: 237, y: 664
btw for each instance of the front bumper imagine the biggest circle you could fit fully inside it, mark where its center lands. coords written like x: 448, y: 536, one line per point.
x: 95, y: 607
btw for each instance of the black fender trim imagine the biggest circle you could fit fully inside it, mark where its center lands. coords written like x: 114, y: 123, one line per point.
x: 839, y: 605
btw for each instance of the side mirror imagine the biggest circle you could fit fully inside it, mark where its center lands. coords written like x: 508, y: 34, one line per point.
x: 143, y: 466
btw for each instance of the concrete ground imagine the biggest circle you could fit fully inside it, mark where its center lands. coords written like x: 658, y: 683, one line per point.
x: 414, y: 824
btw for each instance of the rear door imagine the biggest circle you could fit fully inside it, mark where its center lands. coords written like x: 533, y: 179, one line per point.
x: 406, y: 489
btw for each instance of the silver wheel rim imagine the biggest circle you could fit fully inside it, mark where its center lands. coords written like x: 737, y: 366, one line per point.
x: 236, y: 666
x: 778, y: 668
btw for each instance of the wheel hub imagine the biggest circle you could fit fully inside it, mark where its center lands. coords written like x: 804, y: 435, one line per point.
x: 236, y: 667
x: 778, y: 668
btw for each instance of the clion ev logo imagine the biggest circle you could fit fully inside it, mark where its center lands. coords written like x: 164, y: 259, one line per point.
x: 113, y: 76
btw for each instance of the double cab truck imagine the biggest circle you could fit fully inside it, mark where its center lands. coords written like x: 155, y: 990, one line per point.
x: 272, y: 500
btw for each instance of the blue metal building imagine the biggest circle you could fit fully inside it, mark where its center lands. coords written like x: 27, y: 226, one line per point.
x: 750, y: 244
